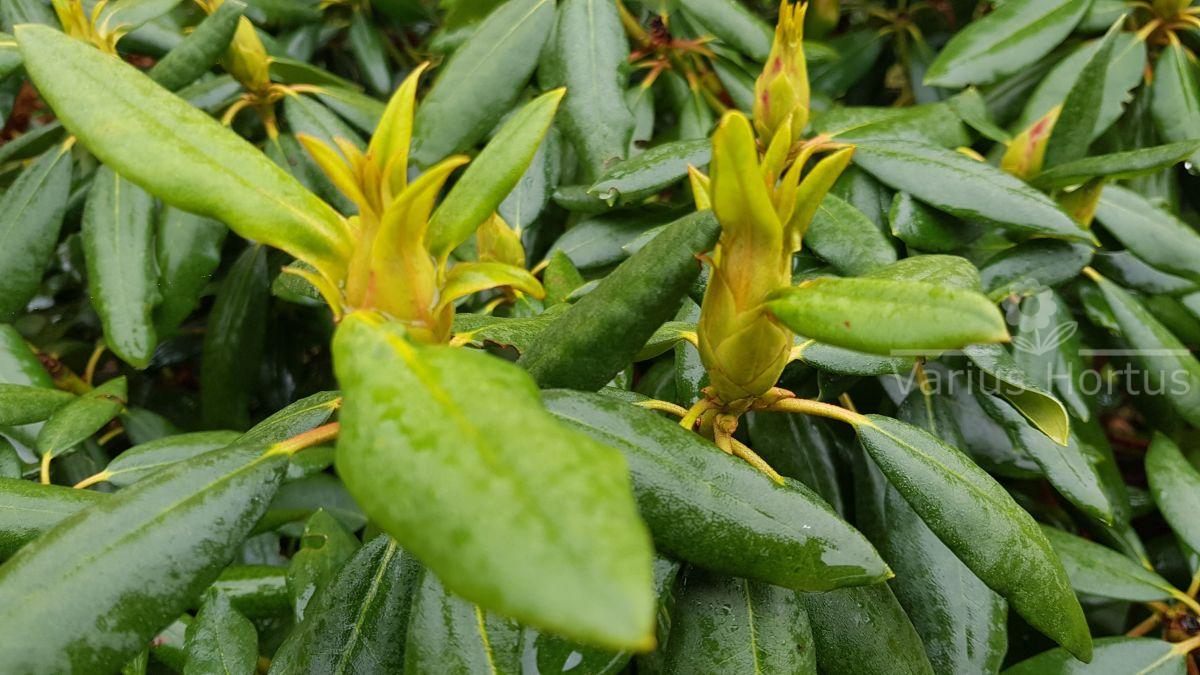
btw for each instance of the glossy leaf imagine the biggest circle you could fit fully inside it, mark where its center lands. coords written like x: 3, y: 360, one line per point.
x: 481, y: 81
x: 716, y: 511
x: 961, y: 186
x: 924, y: 228
x: 1175, y: 487
x: 650, y: 172
x: 864, y: 629
x: 29, y: 509
x: 1150, y: 233
x: 404, y: 400
x: 1176, y: 97
x: 220, y: 640
x: 233, y: 341
x: 176, y: 152
x: 31, y: 214
x: 200, y: 50
x: 1038, y: 405
x: 188, y: 250
x: 324, y: 546
x: 81, y: 418
x: 1117, y: 165
x: 602, y: 333
x: 1017, y: 34
x: 448, y: 633
x: 118, y: 243
x: 1027, y: 268
x: 589, y: 46
x: 1145, y: 656
x: 24, y: 404
x: 1076, y: 125
x: 957, y: 499
x: 52, y: 601
x: 874, y: 315
x: 726, y: 624
x: 1099, y: 570
x: 845, y: 238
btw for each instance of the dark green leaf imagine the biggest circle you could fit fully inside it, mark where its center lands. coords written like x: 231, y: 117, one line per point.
x: 31, y: 214
x: 220, y: 640
x: 864, y: 630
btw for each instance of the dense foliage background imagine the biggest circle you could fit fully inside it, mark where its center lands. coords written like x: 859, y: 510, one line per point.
x: 169, y: 407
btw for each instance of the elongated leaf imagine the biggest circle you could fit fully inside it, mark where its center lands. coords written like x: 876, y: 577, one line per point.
x: 1150, y: 233
x: 200, y: 49
x: 547, y: 532
x: 60, y: 590
x: 81, y: 418
x: 957, y: 500
x: 176, y: 152
x: 588, y: 51
x: 29, y: 509
x: 256, y: 591
x: 1027, y: 268
x: 1016, y: 34
x: 233, y: 341
x: 923, y: 228
x: 1166, y: 364
x: 447, y: 633
x: 875, y: 315
x: 359, y: 621
x: 1145, y: 656
x: 940, y: 270
x: 188, y: 252
x: 307, y: 413
x: 324, y: 546
x: 715, y: 510
x: 1117, y: 165
x: 650, y: 172
x: 118, y: 244
x: 1099, y: 570
x: 489, y: 179
x: 1038, y: 405
x: 602, y: 333
x: 31, y: 214
x: 725, y: 624
x: 802, y: 448
x: 1175, y: 487
x: 482, y: 80
x: 1176, y: 97
x: 24, y: 404
x: 954, y: 183
x: 366, y: 44
x: 864, y: 629
x: 734, y: 24
x: 847, y: 362
x: 1076, y: 125
x: 220, y: 640
x: 845, y: 238
x: 20, y: 365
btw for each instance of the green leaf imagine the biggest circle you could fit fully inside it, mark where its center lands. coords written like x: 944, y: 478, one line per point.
x: 864, y: 630
x: 601, y: 241
x: 845, y: 238
x: 1076, y: 125
x: 196, y: 54
x: 492, y: 175
x: 1068, y: 466
x: 220, y: 640
x: 1114, y: 656
x: 516, y: 332
x: 1038, y: 405
x: 731, y: 22
x: 1028, y: 267
x: 1152, y: 234
x: 800, y: 447
x: 81, y: 418
x: 296, y: 418
x: 367, y: 46
x: 923, y: 228
x: 1166, y: 364
x: 972, y: 109
x: 233, y: 341
x: 147, y: 458
x: 1175, y: 105
x: 359, y: 621
x: 952, y: 182
x: 547, y: 533
x: 848, y: 362
x: 1175, y: 487
x: 29, y: 509
x: 1126, y: 67
x: 1099, y: 570
x: 324, y: 546
x: 529, y: 197
x: 875, y: 315
x: 24, y: 404
x: 449, y: 634
x: 1117, y: 165
x: 650, y: 172
x: 939, y: 270
x: 726, y: 624
x: 91, y: 569
x: 934, y: 123
x: 257, y: 591
x: 31, y: 215
x: 304, y: 495
x: 588, y: 51
x: 958, y: 500
x: 962, y: 623
x: 603, y: 332
x: 118, y: 245
x: 1015, y: 35
x: 188, y: 252
x: 176, y: 152
x: 481, y: 81
x: 716, y: 511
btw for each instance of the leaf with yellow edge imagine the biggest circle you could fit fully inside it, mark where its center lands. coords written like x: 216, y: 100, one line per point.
x: 472, y: 277
x: 492, y: 175
x: 700, y: 188
x: 739, y: 197
x: 393, y: 136
x: 334, y: 167
x: 812, y: 192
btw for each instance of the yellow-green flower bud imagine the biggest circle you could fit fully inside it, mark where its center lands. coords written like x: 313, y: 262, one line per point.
x: 781, y: 91
x: 1027, y: 152
x: 247, y: 60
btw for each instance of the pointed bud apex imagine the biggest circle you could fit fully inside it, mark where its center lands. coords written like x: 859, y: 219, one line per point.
x: 246, y: 59
x: 781, y: 91
x: 1027, y: 152
x: 495, y: 241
